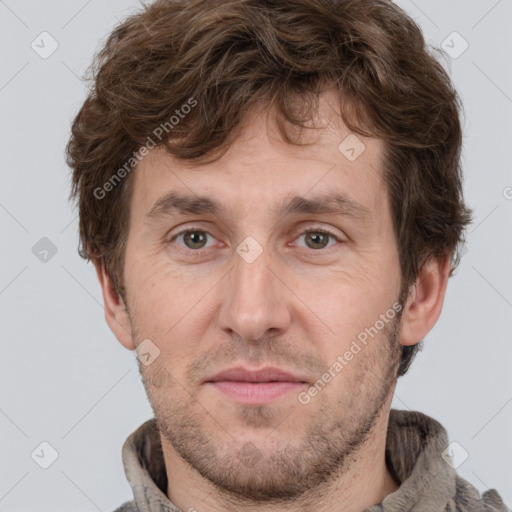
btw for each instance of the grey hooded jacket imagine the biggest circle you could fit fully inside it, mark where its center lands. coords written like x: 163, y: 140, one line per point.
x: 414, y: 455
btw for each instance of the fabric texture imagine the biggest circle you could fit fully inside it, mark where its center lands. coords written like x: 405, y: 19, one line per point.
x: 414, y: 447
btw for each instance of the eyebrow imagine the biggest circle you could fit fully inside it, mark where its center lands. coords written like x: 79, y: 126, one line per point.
x: 176, y: 203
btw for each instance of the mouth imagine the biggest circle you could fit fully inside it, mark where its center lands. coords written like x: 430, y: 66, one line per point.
x: 255, y: 386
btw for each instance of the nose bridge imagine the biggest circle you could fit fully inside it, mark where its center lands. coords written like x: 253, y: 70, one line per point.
x: 254, y: 301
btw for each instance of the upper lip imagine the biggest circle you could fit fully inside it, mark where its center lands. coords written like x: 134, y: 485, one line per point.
x: 262, y: 375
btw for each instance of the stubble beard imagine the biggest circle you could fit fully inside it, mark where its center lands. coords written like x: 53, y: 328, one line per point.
x: 280, y: 472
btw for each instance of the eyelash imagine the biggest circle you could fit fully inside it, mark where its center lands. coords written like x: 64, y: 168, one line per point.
x: 199, y: 252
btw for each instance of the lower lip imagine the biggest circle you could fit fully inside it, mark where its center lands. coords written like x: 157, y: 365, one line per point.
x: 256, y: 392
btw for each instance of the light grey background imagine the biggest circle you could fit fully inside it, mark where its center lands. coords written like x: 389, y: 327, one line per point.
x: 67, y: 381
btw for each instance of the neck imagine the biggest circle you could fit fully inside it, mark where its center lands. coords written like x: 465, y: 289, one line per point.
x: 363, y: 482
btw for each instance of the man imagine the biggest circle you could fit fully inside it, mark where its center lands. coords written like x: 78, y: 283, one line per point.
x: 271, y: 195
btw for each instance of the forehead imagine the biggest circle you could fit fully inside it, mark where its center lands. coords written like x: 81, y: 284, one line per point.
x: 260, y: 169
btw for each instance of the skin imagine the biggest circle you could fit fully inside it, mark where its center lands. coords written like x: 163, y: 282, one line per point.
x: 298, y: 306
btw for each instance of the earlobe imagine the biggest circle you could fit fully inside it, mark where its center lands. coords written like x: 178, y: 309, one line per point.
x: 425, y: 301
x: 116, y: 313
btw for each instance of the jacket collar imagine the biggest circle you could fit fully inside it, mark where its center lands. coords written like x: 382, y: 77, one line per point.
x: 414, y: 455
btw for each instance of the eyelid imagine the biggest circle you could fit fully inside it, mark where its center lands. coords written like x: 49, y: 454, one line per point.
x: 308, y: 252
x: 187, y: 230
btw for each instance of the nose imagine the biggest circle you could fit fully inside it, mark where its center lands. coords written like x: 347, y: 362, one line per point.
x: 255, y: 303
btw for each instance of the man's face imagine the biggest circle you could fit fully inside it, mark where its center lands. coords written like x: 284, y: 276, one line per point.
x: 255, y: 286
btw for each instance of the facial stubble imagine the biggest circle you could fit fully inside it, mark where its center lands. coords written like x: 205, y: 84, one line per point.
x: 278, y: 471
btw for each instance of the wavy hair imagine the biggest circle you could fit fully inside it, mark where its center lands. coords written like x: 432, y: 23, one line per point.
x: 231, y: 55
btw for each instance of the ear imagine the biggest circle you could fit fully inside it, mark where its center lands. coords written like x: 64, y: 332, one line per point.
x: 116, y: 313
x: 425, y: 300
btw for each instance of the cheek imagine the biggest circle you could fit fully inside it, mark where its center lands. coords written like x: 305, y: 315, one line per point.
x: 349, y: 300
x: 169, y: 308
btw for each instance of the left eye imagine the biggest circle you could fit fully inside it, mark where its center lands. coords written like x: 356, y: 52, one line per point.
x: 318, y: 238
x: 314, y: 238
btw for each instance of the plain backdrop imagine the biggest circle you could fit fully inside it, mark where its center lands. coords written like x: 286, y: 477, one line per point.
x: 66, y: 381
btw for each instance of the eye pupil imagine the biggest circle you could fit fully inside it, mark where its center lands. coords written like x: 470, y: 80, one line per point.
x: 317, y: 236
x: 196, y: 237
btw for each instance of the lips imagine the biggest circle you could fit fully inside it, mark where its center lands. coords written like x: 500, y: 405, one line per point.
x: 255, y: 387
x: 240, y: 374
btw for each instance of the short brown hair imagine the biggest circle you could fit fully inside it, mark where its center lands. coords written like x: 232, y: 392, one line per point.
x: 229, y: 56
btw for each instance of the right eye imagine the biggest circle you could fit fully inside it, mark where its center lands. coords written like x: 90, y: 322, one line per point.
x: 193, y: 239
